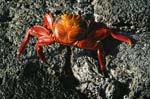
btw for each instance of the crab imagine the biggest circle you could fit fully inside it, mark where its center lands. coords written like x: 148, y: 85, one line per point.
x: 71, y: 30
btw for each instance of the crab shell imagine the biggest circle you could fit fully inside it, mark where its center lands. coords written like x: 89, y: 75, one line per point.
x: 69, y: 28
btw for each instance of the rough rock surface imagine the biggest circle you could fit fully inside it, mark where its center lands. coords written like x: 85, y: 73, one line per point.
x: 73, y: 73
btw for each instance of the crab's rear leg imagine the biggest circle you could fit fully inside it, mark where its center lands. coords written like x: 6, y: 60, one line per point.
x: 101, y: 56
x: 122, y: 38
x: 92, y: 45
x: 101, y: 59
x: 33, y: 31
x: 42, y: 41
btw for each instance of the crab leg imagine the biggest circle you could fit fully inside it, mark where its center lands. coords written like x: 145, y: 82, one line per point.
x: 101, y: 57
x: 121, y: 38
x: 86, y: 44
x: 33, y: 31
x: 42, y: 41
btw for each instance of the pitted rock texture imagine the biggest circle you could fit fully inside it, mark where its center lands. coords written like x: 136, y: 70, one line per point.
x: 69, y: 72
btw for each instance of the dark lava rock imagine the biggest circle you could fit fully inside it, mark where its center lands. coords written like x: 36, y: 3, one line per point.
x: 27, y: 77
x: 73, y: 73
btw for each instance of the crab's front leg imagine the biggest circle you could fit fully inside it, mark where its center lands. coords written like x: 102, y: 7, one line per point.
x: 42, y: 41
x: 33, y: 31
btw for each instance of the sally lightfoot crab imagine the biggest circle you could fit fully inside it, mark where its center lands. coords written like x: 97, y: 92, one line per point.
x: 70, y: 30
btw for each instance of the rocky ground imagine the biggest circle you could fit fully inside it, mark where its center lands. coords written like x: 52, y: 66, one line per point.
x: 73, y: 73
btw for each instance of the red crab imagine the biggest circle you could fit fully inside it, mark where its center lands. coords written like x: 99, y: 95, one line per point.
x: 71, y: 30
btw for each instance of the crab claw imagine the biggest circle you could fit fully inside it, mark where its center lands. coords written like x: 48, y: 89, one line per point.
x: 48, y: 21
